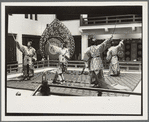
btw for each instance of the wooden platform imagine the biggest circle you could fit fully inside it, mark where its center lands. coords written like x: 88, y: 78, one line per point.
x: 130, y: 80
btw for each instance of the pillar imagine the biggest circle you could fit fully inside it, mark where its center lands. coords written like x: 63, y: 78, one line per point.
x: 84, y: 44
x: 19, y: 53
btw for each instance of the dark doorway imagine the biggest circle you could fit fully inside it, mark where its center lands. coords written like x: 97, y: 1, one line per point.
x: 11, y: 49
x: 77, y: 53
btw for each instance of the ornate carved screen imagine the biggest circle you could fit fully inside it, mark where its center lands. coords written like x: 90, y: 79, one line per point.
x: 56, y: 33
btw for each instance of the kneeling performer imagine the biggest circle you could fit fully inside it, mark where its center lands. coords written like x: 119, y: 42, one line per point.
x: 64, y: 56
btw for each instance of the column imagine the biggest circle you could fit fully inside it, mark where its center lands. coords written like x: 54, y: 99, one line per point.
x: 84, y: 44
x: 19, y: 53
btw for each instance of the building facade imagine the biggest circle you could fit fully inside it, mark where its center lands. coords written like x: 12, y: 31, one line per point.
x: 31, y: 26
x: 127, y: 27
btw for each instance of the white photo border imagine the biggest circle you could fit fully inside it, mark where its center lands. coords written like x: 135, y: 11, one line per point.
x: 77, y: 105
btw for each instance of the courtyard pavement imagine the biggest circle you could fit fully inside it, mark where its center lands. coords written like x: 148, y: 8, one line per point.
x: 131, y: 80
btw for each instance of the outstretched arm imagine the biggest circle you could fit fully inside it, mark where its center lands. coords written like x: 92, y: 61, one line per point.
x: 103, y: 46
x: 55, y: 48
x: 35, y: 55
x: 87, y: 54
x: 20, y: 47
x: 120, y: 44
x: 108, y: 55
x: 67, y: 54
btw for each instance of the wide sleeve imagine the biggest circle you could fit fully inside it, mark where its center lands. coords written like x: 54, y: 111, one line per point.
x: 109, y: 55
x: 87, y: 54
x: 55, y: 49
x: 35, y: 55
x: 103, y: 46
x: 20, y: 47
x: 67, y: 53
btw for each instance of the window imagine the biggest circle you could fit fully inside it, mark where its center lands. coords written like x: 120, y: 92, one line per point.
x: 26, y: 16
x: 77, y: 53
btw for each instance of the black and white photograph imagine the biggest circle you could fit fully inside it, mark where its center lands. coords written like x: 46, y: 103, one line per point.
x: 74, y: 60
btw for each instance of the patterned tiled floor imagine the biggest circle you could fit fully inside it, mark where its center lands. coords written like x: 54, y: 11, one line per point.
x: 130, y: 80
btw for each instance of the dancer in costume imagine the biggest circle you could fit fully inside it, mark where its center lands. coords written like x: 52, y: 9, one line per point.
x: 93, y: 61
x: 29, y: 57
x: 92, y: 58
x: 64, y: 56
x: 112, y: 56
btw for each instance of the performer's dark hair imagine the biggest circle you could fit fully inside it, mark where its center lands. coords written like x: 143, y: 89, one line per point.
x: 93, y: 42
x: 112, y: 43
x: 30, y: 40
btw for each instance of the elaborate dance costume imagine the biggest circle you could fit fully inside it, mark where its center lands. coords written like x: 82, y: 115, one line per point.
x: 112, y: 56
x: 64, y: 55
x: 29, y: 57
x: 93, y: 61
x: 92, y: 58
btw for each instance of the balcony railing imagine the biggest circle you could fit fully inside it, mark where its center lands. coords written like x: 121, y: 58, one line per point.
x: 18, y: 68
x: 131, y: 18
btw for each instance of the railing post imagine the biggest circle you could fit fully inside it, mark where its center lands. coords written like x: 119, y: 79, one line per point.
x: 17, y: 68
x: 119, y: 20
x: 133, y: 18
x: 106, y: 19
x: 81, y: 20
x: 10, y: 69
x: 37, y: 64
x: 127, y: 68
x: 48, y: 63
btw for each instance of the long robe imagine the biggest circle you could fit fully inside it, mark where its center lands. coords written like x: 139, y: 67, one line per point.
x: 62, y: 61
x: 112, y: 56
x: 29, y: 55
x: 92, y: 55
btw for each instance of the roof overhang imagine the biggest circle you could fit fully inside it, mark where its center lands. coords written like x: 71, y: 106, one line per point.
x: 107, y: 27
